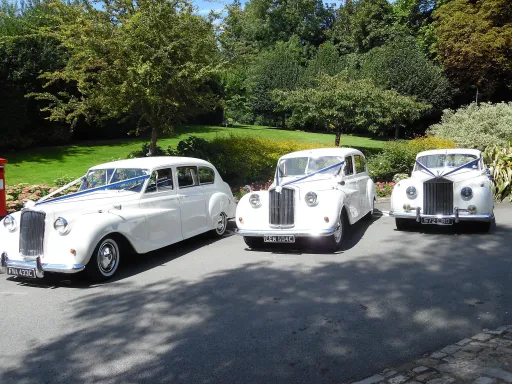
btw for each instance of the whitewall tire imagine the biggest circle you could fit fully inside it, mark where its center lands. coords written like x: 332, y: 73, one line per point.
x: 104, y: 260
x: 220, y: 225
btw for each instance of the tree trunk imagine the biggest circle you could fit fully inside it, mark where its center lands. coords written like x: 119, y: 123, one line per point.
x: 154, y: 138
x: 338, y: 137
x: 283, y: 121
x: 397, y: 132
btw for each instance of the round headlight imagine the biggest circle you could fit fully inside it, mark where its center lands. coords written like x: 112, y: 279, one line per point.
x: 10, y: 223
x: 466, y: 193
x: 254, y: 200
x: 411, y: 192
x: 61, y: 225
x: 311, y: 199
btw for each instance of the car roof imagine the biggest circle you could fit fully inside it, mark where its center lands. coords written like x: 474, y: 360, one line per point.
x: 449, y: 151
x: 153, y: 162
x: 317, y: 152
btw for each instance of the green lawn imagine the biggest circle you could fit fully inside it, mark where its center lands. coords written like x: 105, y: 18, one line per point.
x: 44, y: 165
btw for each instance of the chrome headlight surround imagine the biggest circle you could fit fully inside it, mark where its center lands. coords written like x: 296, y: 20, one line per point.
x: 10, y: 223
x: 411, y: 192
x: 466, y: 193
x: 255, y: 200
x: 311, y: 199
x: 61, y: 225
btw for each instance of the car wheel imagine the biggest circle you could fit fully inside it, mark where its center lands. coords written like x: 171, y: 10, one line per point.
x: 253, y: 242
x: 402, y: 224
x: 333, y: 243
x: 221, y: 225
x: 104, y: 260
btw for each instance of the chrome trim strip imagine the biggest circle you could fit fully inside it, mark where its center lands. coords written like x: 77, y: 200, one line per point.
x: 412, y: 215
x: 39, y: 266
x: 265, y: 232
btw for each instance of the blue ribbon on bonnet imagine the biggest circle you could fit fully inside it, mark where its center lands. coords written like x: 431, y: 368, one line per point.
x: 450, y: 172
x: 88, y: 191
x: 279, y: 187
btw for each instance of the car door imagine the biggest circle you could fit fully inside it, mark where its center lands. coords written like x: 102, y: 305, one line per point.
x: 362, y: 180
x: 207, y: 183
x: 161, y: 205
x: 351, y: 188
x: 192, y: 202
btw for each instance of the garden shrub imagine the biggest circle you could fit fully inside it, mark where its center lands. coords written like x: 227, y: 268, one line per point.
x: 476, y: 126
x: 499, y: 161
x: 63, y: 180
x: 240, y: 160
x: 399, y: 156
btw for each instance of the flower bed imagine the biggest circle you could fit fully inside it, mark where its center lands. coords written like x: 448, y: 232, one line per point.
x: 384, y: 189
x: 17, y: 194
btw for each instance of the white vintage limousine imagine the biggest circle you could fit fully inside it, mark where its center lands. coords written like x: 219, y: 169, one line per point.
x: 128, y: 205
x: 316, y: 194
x: 446, y: 186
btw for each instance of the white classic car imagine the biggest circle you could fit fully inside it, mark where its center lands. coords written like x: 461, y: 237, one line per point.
x: 128, y: 205
x: 446, y: 186
x: 316, y: 193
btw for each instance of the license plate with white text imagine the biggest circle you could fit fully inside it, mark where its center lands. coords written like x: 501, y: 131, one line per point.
x: 436, y: 220
x: 279, y: 239
x: 23, y: 272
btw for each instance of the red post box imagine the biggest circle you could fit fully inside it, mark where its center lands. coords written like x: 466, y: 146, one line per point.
x: 3, y: 203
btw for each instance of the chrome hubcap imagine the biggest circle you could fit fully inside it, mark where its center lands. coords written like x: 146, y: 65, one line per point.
x: 107, y: 257
x: 221, y: 224
x: 338, y: 232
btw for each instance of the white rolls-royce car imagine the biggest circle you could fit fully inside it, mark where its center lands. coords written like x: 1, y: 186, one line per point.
x: 128, y: 205
x: 446, y: 186
x: 316, y: 194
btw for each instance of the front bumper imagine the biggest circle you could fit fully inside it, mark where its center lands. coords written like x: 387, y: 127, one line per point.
x: 285, y: 232
x: 40, y: 268
x: 456, y: 216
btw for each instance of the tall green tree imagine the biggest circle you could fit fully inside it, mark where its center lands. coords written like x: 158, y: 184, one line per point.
x: 340, y: 104
x: 474, y: 44
x: 262, y: 23
x: 275, y: 68
x: 402, y: 65
x: 150, y: 59
x: 26, y: 52
x: 362, y: 25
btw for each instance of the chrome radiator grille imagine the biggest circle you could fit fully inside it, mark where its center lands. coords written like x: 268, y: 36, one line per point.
x: 32, y: 233
x: 282, y: 207
x: 438, y: 197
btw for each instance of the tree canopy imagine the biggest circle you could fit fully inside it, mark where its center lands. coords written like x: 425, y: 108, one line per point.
x: 152, y: 60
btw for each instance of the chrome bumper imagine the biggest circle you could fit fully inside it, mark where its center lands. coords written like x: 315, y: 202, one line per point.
x: 456, y: 216
x: 284, y: 232
x: 40, y: 268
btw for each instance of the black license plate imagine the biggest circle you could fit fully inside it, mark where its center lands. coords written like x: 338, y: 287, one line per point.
x: 436, y: 220
x: 23, y: 272
x: 279, y: 239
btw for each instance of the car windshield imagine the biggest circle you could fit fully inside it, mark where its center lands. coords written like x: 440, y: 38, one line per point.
x: 102, y: 177
x: 452, y: 160
x: 300, y: 166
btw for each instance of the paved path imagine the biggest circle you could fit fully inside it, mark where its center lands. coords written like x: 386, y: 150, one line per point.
x: 214, y: 312
x: 484, y: 358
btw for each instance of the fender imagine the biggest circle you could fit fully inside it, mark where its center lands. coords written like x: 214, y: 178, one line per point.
x: 87, y: 231
x: 371, y: 192
x: 219, y: 202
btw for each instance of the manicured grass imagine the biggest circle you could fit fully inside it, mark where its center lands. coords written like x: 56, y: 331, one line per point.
x: 44, y: 165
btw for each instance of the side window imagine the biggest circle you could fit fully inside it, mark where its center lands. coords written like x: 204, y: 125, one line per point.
x: 206, y: 175
x: 187, y: 177
x: 160, y: 180
x: 360, y: 163
x: 349, y: 166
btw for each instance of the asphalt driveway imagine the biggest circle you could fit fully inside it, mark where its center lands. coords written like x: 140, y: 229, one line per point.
x: 208, y: 311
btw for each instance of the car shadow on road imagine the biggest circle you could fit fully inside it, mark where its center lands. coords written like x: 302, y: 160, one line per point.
x: 266, y: 322
x: 131, y: 264
x: 313, y: 246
